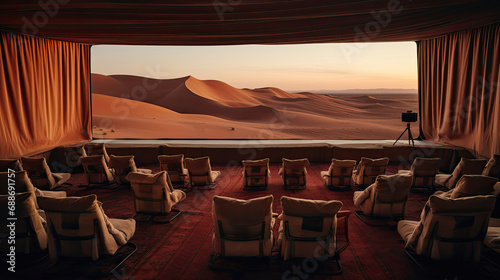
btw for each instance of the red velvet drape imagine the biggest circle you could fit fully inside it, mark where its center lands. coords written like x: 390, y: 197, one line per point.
x: 459, y: 89
x: 44, y: 94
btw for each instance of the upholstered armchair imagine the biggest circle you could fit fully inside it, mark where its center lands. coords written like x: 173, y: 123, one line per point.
x: 200, y: 172
x: 339, y: 174
x: 95, y: 149
x: 97, y: 170
x: 243, y: 227
x: 423, y: 172
x: 78, y: 227
x: 174, y: 165
x: 449, y: 228
x: 122, y: 166
x: 386, y: 198
x: 31, y: 236
x: 40, y: 174
x: 256, y: 173
x: 293, y: 173
x: 308, y: 229
x: 154, y: 195
x: 367, y: 171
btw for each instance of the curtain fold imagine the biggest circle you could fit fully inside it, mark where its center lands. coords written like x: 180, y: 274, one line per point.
x: 459, y: 90
x: 44, y: 94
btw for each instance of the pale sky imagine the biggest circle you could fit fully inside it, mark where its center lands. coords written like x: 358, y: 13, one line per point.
x: 289, y: 67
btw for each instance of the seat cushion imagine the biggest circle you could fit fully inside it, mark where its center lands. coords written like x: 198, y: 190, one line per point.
x: 470, y: 185
x: 406, y: 228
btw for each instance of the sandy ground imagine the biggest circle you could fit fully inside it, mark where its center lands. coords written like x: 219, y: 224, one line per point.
x: 183, y: 108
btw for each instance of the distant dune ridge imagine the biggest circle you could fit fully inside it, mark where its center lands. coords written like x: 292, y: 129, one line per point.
x: 137, y: 107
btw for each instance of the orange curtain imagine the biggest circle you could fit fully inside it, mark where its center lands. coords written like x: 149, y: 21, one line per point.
x: 459, y: 89
x: 44, y: 94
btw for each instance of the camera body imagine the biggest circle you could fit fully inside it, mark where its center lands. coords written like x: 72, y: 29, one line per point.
x: 409, y: 116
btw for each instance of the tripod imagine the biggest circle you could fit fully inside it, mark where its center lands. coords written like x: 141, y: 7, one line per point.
x: 410, y: 137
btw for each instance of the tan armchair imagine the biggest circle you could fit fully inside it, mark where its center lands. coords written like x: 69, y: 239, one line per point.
x: 96, y: 170
x: 367, y: 171
x: 31, y: 236
x: 200, y: 172
x: 174, y: 165
x: 293, y: 173
x: 154, y: 195
x: 78, y: 227
x: 95, y: 149
x: 386, y: 198
x: 122, y: 166
x: 23, y: 184
x: 309, y: 229
x: 449, y: 228
x: 12, y: 164
x: 242, y: 228
x: 465, y: 167
x: 423, y: 171
x: 256, y: 173
x: 338, y: 176
x: 40, y: 174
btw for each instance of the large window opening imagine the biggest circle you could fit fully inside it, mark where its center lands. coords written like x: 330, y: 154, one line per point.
x: 309, y: 91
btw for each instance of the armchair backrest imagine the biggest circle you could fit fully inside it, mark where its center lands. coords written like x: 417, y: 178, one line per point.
x: 30, y: 235
x: 122, y: 166
x: 472, y: 185
x: 492, y: 168
x: 304, y: 221
x: 78, y: 227
x: 256, y: 172
x: 386, y: 197
x: 424, y: 171
x: 294, y: 171
x: 13, y: 164
x: 340, y: 172
x: 95, y: 149
x: 39, y: 172
x: 96, y: 169
x: 452, y: 229
x: 200, y: 171
x: 243, y: 227
x: 152, y: 192
x: 368, y: 169
x: 20, y: 182
x: 174, y: 165
x: 466, y: 167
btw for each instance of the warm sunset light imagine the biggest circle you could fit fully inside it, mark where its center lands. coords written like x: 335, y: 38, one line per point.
x: 304, y: 67
x: 311, y: 91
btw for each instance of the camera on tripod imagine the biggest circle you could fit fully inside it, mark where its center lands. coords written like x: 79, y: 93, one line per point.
x: 409, y: 116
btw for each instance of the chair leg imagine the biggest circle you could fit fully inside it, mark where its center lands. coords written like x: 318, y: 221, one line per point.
x: 366, y: 219
x: 164, y: 221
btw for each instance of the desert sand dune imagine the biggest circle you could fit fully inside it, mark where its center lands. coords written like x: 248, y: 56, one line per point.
x: 137, y: 107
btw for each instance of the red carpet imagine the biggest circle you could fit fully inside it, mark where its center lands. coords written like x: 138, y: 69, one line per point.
x: 181, y: 249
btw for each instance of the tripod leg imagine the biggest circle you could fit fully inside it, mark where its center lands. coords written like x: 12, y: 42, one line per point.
x: 410, y: 137
x: 400, y: 136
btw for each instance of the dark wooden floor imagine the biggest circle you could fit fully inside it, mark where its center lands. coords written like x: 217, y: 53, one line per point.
x: 181, y: 249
